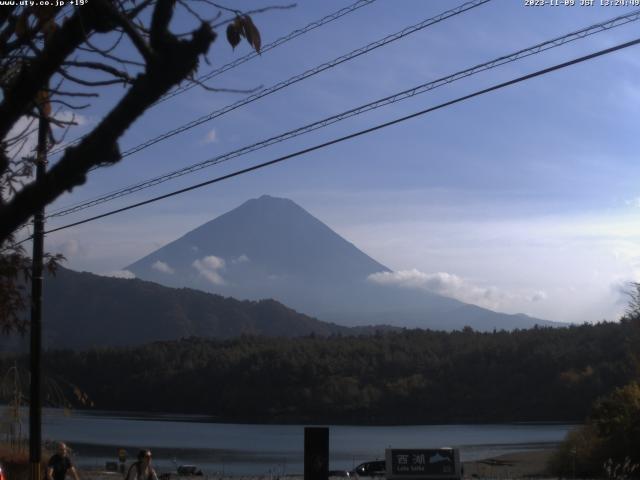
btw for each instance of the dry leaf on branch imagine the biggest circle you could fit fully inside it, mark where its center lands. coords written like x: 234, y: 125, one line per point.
x: 251, y: 32
x: 243, y: 26
x: 233, y: 34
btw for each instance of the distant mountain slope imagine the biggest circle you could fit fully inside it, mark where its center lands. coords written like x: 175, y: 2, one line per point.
x: 84, y: 310
x: 272, y: 248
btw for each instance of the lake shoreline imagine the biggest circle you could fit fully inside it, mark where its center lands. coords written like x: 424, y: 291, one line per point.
x: 226, y: 420
x: 263, y: 450
x: 526, y: 464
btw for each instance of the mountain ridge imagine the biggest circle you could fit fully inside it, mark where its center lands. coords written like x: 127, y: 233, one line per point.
x: 83, y: 310
x: 270, y: 247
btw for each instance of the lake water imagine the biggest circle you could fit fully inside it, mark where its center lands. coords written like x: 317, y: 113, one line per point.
x: 273, y: 449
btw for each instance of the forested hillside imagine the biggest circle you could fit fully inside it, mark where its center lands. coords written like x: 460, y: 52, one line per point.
x: 413, y: 376
x: 83, y: 310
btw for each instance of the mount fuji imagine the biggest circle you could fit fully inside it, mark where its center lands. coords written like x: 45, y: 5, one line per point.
x: 272, y: 248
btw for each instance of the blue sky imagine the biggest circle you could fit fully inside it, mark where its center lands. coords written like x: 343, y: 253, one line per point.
x: 522, y: 200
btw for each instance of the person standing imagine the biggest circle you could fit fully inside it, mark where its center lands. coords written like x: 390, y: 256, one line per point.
x: 60, y: 464
x: 142, y: 469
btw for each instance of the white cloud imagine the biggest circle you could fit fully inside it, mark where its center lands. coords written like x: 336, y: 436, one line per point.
x: 211, y: 137
x: 415, y: 278
x: 241, y: 259
x: 162, y: 267
x: 538, y: 296
x: 572, y: 257
x: 442, y: 283
x: 120, y: 274
x: 213, y: 262
x: 454, y: 286
x: 209, y: 268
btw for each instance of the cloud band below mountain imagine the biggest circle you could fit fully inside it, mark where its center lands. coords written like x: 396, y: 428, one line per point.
x: 450, y: 285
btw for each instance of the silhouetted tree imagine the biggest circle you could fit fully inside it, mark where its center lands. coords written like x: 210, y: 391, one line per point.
x: 51, y: 64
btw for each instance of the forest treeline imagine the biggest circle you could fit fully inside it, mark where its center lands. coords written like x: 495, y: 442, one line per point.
x: 412, y: 376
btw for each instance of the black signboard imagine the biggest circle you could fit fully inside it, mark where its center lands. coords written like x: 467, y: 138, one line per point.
x: 437, y: 463
x: 316, y: 453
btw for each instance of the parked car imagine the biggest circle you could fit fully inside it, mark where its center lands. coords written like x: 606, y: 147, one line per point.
x: 339, y: 473
x: 376, y: 468
x: 189, y: 470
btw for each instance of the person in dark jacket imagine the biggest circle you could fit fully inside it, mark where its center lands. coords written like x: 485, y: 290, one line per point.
x: 60, y: 464
x: 142, y: 469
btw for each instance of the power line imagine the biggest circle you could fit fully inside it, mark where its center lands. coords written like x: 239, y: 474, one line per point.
x: 425, y: 87
x: 309, y: 73
x: 357, y: 134
x: 266, y: 48
x: 253, y: 54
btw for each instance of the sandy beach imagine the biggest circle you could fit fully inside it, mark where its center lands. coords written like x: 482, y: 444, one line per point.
x: 513, y: 465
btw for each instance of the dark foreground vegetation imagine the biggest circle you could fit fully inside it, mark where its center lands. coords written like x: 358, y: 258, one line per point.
x: 543, y: 374
x: 608, y: 444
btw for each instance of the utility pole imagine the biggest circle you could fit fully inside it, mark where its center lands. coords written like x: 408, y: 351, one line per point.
x: 35, y: 362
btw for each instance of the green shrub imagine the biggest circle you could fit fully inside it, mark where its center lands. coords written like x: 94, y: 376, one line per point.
x: 609, y: 444
x: 578, y: 455
x: 617, y: 421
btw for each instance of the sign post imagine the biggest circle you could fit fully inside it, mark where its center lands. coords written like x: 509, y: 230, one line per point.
x: 316, y: 453
x: 35, y: 351
x: 423, y: 464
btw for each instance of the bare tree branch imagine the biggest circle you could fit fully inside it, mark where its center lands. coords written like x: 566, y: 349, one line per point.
x: 102, y: 67
x: 89, y: 83
x: 173, y: 60
x: 40, y: 55
x: 72, y: 94
x: 225, y: 90
x: 253, y: 12
x: 33, y: 77
x: 129, y: 28
x: 122, y: 61
x: 71, y: 107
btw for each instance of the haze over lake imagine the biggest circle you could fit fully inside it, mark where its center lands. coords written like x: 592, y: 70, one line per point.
x: 273, y: 449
